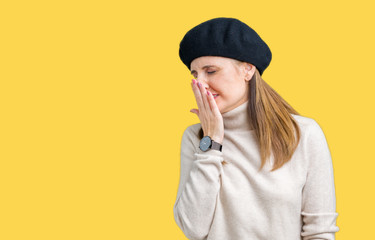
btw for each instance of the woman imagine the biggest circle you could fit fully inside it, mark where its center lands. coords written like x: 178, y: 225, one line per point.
x: 253, y: 168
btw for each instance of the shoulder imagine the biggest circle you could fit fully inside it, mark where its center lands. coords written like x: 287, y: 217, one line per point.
x: 194, y: 128
x: 191, y: 132
x: 312, y: 134
x: 307, y: 124
x: 304, y: 122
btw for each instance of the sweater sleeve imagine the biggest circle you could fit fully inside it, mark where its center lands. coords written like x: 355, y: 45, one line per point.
x: 198, y: 187
x: 318, y: 194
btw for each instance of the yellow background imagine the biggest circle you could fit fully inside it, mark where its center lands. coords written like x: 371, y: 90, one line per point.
x: 94, y: 100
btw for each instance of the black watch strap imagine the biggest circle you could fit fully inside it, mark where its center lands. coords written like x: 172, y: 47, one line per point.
x: 216, y: 145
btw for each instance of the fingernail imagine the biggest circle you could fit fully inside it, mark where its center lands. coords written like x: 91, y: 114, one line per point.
x: 194, y: 81
x: 199, y: 84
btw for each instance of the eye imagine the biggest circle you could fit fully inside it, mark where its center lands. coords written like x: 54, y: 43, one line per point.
x: 211, y: 72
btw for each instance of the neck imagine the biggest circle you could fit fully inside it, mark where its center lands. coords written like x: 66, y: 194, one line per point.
x: 237, y: 118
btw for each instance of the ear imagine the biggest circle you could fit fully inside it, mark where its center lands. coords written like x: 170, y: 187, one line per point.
x: 249, y: 71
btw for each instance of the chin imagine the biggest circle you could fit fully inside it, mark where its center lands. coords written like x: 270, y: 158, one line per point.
x: 220, y: 107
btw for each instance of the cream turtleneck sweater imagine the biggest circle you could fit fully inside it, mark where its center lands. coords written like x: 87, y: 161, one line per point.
x: 235, y: 202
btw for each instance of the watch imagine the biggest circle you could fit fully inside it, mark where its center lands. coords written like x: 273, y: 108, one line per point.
x: 207, y: 143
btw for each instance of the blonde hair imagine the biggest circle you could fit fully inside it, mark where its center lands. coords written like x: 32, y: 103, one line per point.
x: 270, y: 115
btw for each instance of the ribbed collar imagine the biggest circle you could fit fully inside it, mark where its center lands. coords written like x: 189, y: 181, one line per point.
x: 238, y: 118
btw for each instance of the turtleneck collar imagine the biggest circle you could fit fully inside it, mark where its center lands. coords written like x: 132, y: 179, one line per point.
x: 238, y: 118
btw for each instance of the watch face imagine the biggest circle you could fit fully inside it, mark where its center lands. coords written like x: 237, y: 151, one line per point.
x: 205, y: 143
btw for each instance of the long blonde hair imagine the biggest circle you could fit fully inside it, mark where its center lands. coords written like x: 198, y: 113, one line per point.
x: 270, y: 115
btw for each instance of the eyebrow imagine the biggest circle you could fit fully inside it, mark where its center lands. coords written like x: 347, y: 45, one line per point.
x: 207, y: 66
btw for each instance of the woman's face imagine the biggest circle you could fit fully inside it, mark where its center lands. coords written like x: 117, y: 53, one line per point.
x: 224, y: 76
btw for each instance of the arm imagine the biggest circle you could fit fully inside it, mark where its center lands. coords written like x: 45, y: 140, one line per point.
x: 198, y: 188
x: 318, y: 194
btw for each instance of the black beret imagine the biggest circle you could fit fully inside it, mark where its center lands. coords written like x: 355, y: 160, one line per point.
x: 225, y: 37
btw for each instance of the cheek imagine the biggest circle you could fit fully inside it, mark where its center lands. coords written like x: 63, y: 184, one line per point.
x: 220, y: 89
x: 220, y: 84
x: 229, y: 90
x: 223, y: 85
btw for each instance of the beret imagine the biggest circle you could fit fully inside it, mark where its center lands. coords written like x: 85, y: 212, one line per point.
x: 225, y: 37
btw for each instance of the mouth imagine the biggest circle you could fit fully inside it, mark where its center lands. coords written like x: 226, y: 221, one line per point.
x: 215, y: 95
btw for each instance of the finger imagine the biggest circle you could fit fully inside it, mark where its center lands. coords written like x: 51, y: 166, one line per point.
x: 203, y: 92
x: 213, y: 105
x: 194, y: 111
x: 198, y: 95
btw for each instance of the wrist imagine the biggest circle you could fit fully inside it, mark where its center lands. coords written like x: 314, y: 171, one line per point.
x: 207, y: 143
x: 217, y: 139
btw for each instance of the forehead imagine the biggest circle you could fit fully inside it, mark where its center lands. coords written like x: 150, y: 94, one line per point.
x: 208, y: 60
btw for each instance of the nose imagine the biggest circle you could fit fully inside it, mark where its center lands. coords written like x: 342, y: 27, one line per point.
x: 202, y: 81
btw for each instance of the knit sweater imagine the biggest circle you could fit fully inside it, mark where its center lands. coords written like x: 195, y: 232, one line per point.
x: 235, y: 202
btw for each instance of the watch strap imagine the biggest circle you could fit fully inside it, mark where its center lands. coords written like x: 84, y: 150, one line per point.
x: 216, y: 145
